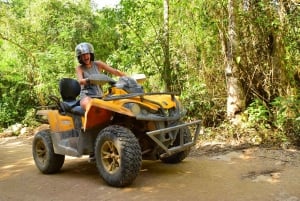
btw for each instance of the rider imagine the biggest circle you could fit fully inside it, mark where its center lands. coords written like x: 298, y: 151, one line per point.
x: 85, y: 55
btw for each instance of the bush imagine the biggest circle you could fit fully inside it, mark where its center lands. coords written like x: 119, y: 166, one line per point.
x: 258, y: 114
x: 286, y: 112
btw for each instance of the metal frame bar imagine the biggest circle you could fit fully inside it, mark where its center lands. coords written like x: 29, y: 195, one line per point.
x: 182, y: 146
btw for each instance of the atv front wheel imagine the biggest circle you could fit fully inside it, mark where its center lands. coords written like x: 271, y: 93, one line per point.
x: 180, y: 156
x: 118, y: 156
x: 43, y: 154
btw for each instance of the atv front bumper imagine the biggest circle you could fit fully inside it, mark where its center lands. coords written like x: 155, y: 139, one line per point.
x: 156, y: 136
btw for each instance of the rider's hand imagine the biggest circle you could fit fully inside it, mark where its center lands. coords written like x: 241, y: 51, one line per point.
x: 87, y: 81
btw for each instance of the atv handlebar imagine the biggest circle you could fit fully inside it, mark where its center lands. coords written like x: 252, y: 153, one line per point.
x: 100, y: 79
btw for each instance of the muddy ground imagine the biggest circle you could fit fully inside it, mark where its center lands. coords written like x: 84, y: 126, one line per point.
x: 208, y: 173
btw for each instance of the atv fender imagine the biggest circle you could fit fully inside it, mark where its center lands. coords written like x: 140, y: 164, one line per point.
x: 99, y: 112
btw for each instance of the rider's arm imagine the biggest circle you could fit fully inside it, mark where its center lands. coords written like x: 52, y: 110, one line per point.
x: 81, y: 80
x: 103, y: 66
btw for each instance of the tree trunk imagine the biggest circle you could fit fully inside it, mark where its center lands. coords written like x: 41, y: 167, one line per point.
x: 166, y: 49
x: 236, y: 97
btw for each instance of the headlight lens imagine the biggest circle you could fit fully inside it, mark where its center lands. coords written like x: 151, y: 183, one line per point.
x: 180, y: 108
x: 133, y: 107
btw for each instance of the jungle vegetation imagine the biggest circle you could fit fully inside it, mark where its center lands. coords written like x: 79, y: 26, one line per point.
x: 235, y: 63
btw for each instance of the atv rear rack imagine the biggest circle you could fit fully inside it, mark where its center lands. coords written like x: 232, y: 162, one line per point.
x: 154, y: 135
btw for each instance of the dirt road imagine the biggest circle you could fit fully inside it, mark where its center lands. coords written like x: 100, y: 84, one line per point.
x: 247, y: 174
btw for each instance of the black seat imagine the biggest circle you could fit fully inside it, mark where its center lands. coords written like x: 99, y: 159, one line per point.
x: 69, y: 90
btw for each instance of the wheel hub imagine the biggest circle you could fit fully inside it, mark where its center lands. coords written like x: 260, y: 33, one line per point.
x: 41, y: 151
x: 110, y: 157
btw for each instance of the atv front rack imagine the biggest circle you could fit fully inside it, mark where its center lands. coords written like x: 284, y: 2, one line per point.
x: 155, y: 136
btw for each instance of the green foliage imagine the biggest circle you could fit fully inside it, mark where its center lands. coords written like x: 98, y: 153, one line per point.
x: 38, y: 38
x: 139, y: 28
x: 258, y: 114
x: 282, y: 115
x: 14, y: 101
x: 42, y: 36
x: 205, y: 108
x: 286, y: 112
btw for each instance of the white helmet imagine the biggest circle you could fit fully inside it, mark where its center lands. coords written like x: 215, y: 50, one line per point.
x: 84, y: 48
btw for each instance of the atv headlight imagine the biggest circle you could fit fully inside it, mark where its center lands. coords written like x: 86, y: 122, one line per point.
x: 180, y: 108
x: 133, y: 107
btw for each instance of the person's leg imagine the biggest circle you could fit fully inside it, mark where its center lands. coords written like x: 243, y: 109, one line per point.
x: 84, y: 102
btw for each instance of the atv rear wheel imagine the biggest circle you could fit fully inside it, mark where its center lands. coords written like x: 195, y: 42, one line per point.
x: 43, y: 154
x: 180, y: 156
x: 118, y: 155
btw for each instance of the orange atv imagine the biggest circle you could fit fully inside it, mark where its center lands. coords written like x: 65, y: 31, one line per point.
x: 120, y: 129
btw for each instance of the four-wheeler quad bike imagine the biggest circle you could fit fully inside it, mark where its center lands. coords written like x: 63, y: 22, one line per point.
x: 121, y: 128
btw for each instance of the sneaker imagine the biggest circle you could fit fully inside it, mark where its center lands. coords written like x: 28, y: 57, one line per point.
x: 92, y: 158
